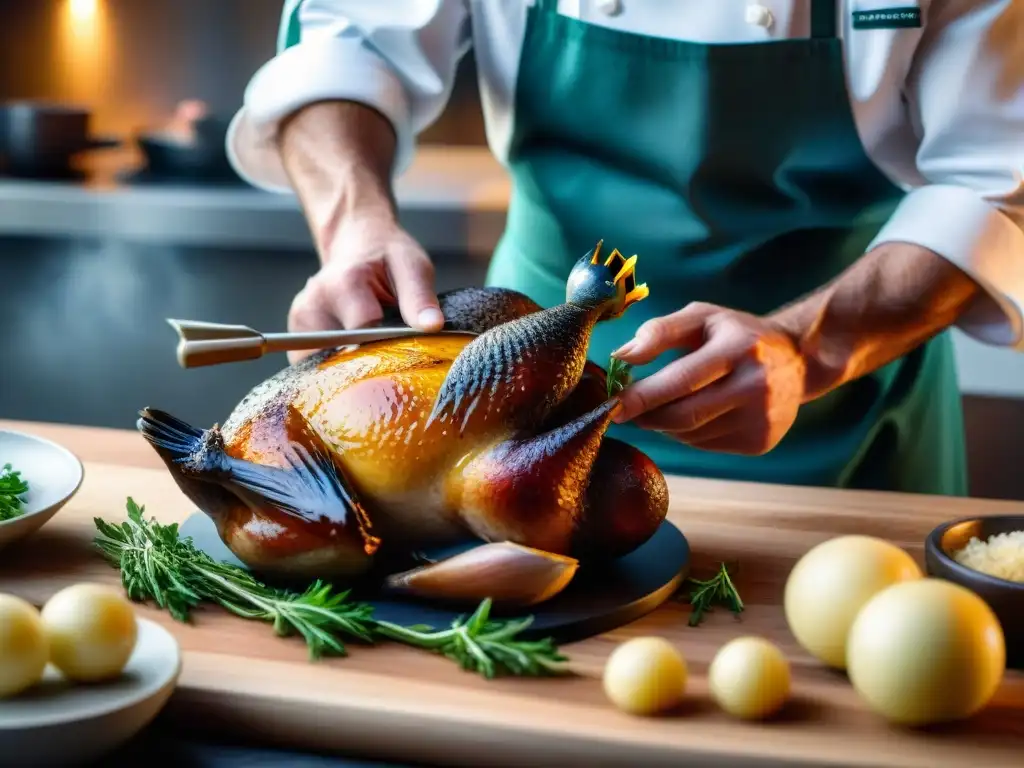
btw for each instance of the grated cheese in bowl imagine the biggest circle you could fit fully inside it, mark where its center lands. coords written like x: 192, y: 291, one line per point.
x: 1001, y: 555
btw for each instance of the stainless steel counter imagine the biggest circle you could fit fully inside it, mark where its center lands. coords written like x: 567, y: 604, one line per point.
x: 451, y: 200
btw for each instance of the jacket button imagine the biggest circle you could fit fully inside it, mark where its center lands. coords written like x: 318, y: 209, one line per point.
x: 610, y: 7
x: 759, y: 16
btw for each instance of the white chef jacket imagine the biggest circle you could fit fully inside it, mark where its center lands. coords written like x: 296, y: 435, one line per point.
x: 939, y: 109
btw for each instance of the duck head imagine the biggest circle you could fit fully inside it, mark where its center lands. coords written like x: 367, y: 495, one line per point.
x: 604, y: 285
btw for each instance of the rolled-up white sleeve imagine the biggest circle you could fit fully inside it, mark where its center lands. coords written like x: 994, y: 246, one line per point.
x: 396, y: 56
x: 965, y: 98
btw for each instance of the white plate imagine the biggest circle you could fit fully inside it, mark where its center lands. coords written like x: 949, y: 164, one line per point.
x: 53, y: 473
x: 59, y: 723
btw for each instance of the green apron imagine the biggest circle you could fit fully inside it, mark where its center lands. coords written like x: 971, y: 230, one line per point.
x: 736, y: 173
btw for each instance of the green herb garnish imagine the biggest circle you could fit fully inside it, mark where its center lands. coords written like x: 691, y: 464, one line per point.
x: 157, y: 565
x: 718, y: 590
x: 619, y: 376
x: 12, y: 489
x: 480, y: 645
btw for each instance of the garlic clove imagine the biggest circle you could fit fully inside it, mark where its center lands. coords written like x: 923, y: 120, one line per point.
x: 509, y: 574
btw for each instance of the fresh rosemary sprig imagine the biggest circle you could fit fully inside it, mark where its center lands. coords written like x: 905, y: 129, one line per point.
x: 719, y: 589
x: 12, y: 488
x: 619, y: 376
x: 480, y: 645
x: 157, y: 565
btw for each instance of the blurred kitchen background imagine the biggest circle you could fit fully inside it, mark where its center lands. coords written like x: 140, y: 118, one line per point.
x: 96, y: 253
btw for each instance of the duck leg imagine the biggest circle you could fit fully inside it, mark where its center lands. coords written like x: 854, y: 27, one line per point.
x: 627, y: 498
x: 571, y: 490
x: 532, y: 490
x: 626, y: 501
x: 540, y: 504
x: 525, y: 498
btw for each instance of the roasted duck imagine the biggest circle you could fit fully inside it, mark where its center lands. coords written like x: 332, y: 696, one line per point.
x: 406, y: 444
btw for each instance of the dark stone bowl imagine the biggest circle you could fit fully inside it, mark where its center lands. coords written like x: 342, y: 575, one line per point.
x: 1005, y: 598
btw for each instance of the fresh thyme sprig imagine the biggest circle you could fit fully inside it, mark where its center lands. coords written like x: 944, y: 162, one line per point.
x: 12, y: 488
x: 719, y: 589
x: 157, y: 565
x: 619, y: 376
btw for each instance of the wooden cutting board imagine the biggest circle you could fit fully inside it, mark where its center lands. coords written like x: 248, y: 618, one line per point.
x: 400, y: 704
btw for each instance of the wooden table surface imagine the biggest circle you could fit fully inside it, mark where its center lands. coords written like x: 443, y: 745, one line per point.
x: 395, y: 703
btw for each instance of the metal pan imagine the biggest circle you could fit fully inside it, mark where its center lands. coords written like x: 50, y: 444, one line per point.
x: 39, y: 139
x: 201, y: 155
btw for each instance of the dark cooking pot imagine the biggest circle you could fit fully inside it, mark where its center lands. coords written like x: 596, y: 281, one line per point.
x: 202, y: 156
x: 38, y: 139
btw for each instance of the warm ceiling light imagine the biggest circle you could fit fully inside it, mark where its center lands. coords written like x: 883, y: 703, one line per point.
x: 82, y: 9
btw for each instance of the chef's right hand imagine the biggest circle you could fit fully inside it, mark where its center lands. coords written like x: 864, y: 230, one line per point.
x: 369, y: 263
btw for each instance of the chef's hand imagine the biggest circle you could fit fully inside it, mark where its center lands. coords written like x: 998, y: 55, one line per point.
x: 737, y: 391
x: 369, y: 262
x: 339, y: 156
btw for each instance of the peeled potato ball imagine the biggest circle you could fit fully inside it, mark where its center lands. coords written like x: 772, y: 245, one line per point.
x: 832, y: 582
x: 92, y: 632
x: 749, y: 678
x: 645, y: 676
x: 23, y: 649
x: 925, y: 652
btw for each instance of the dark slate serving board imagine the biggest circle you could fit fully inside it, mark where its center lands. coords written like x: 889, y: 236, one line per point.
x: 600, y: 598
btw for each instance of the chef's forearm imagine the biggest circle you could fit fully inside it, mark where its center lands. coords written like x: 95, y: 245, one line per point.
x: 893, y: 299
x: 338, y: 156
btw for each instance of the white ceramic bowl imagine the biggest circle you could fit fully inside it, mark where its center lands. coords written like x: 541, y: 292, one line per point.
x: 58, y: 723
x: 53, y: 473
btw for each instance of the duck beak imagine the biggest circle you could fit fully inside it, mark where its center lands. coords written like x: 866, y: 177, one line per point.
x: 626, y: 276
x: 626, y: 270
x: 615, y: 260
x: 637, y: 294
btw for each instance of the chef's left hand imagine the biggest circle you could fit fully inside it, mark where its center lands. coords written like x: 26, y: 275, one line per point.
x: 737, y: 391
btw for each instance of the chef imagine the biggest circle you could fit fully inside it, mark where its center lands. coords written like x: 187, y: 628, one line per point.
x: 817, y: 191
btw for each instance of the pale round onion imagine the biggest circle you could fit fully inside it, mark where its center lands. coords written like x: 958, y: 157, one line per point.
x: 831, y: 583
x: 23, y: 648
x: 645, y: 676
x: 749, y: 678
x: 925, y: 652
